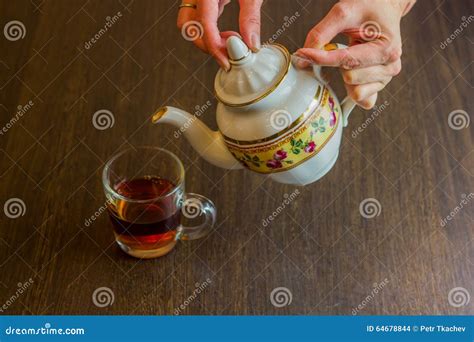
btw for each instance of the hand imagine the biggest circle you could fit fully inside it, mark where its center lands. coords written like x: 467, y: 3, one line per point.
x: 210, y: 39
x: 373, y: 58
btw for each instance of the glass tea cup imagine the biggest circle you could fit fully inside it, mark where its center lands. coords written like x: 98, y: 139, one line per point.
x: 144, y: 188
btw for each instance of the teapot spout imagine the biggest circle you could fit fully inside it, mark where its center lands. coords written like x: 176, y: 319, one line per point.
x: 208, y: 143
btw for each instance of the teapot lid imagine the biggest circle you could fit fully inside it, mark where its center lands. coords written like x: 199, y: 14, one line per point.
x: 252, y: 76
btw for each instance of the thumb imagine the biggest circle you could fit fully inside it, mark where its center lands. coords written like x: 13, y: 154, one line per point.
x: 249, y: 22
x: 339, y: 18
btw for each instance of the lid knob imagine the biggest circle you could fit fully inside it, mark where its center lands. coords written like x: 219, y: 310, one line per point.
x: 236, y: 49
x: 252, y: 75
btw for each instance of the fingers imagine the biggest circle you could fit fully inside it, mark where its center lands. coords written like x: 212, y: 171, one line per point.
x: 363, y: 94
x: 369, y: 102
x: 339, y: 18
x: 408, y: 7
x: 357, y: 56
x: 385, y: 48
x: 301, y: 62
x: 209, y: 39
x: 363, y: 84
x: 187, y: 23
x: 185, y: 14
x: 227, y: 34
x: 378, y: 73
x: 249, y: 23
x: 374, y: 55
x: 222, y: 4
x: 208, y: 12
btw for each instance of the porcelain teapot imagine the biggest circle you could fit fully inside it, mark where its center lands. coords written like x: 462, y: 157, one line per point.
x: 273, y: 118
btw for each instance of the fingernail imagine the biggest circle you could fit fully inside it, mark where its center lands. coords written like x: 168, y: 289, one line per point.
x: 298, y: 54
x: 255, y: 41
x: 224, y: 65
x: 316, y: 45
x: 300, y: 57
x: 301, y: 62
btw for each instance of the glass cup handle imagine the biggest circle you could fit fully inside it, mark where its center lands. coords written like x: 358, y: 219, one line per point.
x: 193, y: 207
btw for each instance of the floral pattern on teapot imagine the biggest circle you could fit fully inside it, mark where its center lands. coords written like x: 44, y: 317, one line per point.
x: 292, y: 146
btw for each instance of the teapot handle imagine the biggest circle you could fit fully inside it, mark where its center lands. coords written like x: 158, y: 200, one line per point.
x: 347, y: 103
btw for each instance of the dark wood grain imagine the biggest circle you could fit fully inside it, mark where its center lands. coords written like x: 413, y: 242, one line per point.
x: 320, y: 247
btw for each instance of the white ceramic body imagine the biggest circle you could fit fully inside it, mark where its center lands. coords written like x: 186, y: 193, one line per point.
x: 254, y: 121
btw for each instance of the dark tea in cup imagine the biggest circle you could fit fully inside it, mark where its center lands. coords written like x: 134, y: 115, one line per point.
x: 146, y: 202
x: 145, y: 226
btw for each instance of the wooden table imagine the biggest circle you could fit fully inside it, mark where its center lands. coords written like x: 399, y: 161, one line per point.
x: 328, y: 256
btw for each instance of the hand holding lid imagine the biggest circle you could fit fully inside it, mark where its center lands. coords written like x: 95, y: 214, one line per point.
x: 251, y: 74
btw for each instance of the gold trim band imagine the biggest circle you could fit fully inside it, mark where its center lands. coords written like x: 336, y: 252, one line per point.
x: 311, y: 108
x: 193, y: 6
x: 306, y: 158
x: 233, y: 61
x: 159, y: 114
